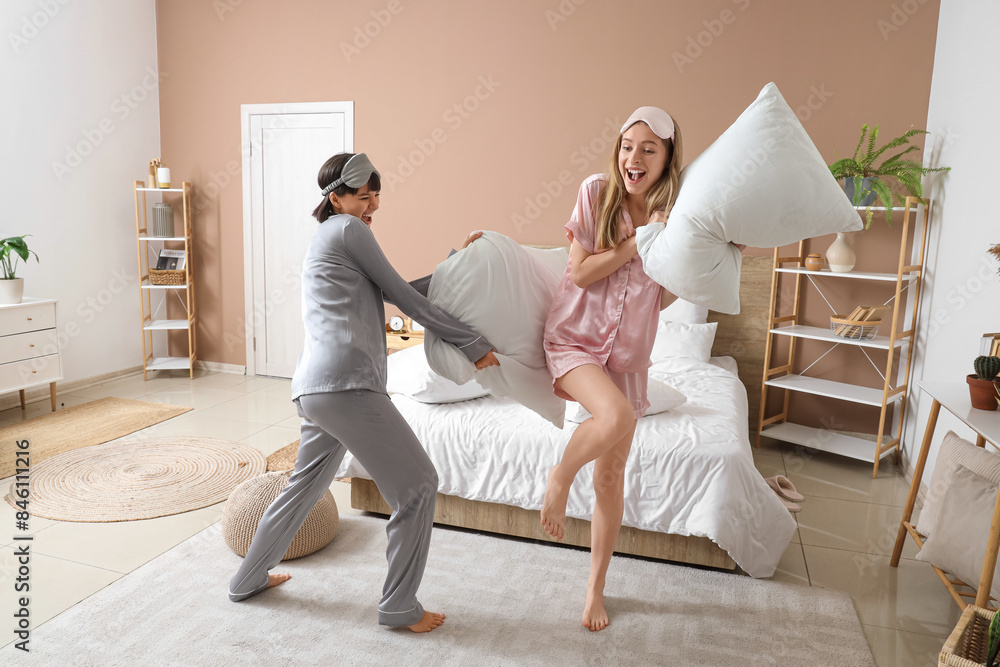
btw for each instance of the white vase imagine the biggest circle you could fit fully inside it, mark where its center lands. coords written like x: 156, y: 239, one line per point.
x: 839, y: 256
x: 11, y: 290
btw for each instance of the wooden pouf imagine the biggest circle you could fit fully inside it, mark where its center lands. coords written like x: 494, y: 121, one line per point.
x: 246, y: 506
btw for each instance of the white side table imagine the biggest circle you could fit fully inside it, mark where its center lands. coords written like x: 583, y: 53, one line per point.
x: 29, y: 354
x: 954, y: 396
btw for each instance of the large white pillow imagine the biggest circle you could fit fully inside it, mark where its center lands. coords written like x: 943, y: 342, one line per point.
x: 679, y: 339
x: 684, y: 311
x: 502, y: 290
x: 762, y: 183
x: 662, y: 397
x: 409, y: 374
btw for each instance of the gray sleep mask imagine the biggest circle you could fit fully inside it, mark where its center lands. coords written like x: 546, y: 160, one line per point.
x: 356, y: 173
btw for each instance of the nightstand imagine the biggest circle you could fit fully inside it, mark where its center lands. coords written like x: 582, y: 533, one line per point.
x: 407, y: 337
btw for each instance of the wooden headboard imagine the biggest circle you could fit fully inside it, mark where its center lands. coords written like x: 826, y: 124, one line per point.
x: 744, y: 336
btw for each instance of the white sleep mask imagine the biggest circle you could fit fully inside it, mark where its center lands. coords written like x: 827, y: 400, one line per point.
x: 356, y: 173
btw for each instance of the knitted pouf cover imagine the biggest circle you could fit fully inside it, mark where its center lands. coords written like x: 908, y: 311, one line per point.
x: 246, y: 506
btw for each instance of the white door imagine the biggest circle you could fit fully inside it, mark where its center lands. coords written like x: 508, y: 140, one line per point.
x: 286, y: 150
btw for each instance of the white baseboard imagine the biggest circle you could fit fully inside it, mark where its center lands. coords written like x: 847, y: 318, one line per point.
x: 40, y: 393
x: 218, y: 367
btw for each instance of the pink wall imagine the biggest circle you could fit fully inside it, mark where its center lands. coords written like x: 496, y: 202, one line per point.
x: 517, y: 99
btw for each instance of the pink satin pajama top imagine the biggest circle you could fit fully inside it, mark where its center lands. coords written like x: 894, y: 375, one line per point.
x: 613, y: 319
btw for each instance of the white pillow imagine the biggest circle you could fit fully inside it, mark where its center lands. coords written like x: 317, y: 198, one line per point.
x: 957, y: 543
x: 502, y: 290
x: 954, y: 452
x: 762, y: 183
x: 684, y: 311
x: 678, y: 339
x: 661, y: 397
x: 408, y: 373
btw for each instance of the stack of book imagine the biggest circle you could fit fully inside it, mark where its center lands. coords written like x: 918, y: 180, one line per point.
x: 989, y: 345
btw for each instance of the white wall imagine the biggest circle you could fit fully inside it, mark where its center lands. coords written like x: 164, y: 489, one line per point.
x: 962, y: 290
x: 79, y: 123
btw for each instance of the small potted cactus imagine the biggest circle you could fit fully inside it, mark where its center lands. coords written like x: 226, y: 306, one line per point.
x: 984, y: 383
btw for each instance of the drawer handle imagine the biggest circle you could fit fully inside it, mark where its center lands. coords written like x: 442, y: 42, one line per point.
x: 32, y: 345
x: 34, y: 371
x: 29, y: 319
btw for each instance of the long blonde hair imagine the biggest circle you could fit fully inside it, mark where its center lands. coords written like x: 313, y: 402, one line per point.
x: 661, y: 197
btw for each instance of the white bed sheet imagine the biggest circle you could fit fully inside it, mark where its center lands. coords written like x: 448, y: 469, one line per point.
x: 690, y: 472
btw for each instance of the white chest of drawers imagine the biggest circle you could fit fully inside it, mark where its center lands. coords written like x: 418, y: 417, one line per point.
x: 29, y: 355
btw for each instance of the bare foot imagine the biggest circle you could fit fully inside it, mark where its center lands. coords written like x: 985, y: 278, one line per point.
x: 595, y: 617
x: 277, y: 579
x: 554, y: 506
x: 429, y: 622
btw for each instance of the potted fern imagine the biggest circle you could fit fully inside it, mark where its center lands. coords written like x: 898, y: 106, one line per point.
x: 12, y: 287
x: 864, y: 180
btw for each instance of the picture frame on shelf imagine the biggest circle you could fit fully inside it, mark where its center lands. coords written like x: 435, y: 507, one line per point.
x: 171, y: 260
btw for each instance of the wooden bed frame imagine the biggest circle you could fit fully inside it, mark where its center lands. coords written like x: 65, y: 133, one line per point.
x: 739, y: 336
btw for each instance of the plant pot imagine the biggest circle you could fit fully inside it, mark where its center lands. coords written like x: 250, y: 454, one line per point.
x: 840, y: 256
x: 983, y: 393
x: 865, y: 185
x: 11, y: 290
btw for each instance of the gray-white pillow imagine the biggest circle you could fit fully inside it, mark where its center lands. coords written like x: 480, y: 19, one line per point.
x: 954, y: 451
x: 957, y: 543
x: 409, y: 374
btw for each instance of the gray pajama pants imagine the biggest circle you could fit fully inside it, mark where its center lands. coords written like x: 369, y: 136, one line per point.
x: 367, y: 424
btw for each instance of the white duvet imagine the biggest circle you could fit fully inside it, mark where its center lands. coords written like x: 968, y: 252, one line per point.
x: 690, y: 471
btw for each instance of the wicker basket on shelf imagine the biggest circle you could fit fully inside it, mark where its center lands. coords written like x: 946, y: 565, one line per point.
x: 167, y: 277
x: 844, y: 327
x: 968, y: 643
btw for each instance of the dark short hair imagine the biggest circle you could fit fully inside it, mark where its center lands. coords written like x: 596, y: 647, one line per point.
x: 328, y: 173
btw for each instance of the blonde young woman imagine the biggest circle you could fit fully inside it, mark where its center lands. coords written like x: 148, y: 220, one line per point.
x: 600, y: 329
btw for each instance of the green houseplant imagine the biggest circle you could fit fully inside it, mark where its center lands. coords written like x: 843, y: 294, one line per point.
x: 869, y: 179
x: 12, y: 287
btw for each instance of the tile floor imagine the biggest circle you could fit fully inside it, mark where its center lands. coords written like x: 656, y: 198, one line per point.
x: 847, y: 525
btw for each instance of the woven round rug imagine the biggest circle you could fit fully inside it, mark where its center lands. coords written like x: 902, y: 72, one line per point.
x: 145, y: 479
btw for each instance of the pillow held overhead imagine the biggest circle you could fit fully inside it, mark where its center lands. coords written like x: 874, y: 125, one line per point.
x: 763, y: 184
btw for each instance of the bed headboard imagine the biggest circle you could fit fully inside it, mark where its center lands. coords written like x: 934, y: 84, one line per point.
x: 743, y: 336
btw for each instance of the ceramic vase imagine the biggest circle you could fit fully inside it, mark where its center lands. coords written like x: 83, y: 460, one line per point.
x: 840, y: 256
x: 11, y: 290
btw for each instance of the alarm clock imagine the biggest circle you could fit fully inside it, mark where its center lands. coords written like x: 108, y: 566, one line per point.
x: 396, y: 323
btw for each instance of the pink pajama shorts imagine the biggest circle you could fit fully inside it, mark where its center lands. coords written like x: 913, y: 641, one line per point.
x: 561, y: 359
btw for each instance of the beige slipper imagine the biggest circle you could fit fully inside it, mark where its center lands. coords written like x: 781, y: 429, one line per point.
x: 790, y: 506
x: 784, y: 488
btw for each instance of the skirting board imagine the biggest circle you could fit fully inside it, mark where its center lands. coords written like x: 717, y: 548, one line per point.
x: 41, y: 392
x: 519, y: 522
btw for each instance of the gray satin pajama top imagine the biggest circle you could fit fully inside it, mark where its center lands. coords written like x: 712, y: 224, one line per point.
x: 345, y: 277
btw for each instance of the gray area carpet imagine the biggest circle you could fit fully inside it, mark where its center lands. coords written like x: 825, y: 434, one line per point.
x: 509, y: 602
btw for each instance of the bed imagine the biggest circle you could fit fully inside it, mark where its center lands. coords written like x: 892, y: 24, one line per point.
x: 692, y: 493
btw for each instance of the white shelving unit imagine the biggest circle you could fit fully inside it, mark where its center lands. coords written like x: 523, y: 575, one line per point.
x: 900, y: 338
x: 154, y: 320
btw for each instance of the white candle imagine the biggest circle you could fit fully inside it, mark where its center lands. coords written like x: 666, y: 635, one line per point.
x: 163, y: 177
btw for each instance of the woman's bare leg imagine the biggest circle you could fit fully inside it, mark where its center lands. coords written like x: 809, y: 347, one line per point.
x: 609, y: 486
x: 613, y: 417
